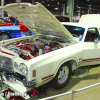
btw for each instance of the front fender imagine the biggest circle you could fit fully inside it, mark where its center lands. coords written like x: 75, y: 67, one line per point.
x: 72, y: 61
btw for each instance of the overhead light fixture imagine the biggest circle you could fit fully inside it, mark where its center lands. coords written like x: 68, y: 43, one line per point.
x: 56, y: 8
x: 48, y: 5
x: 18, y: 1
x: 36, y: 2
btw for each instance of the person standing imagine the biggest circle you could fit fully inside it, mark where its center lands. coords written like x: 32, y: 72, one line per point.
x: 12, y: 19
x: 24, y: 30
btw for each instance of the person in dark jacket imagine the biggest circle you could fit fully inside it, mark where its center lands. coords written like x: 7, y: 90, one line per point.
x: 12, y: 19
x: 24, y: 30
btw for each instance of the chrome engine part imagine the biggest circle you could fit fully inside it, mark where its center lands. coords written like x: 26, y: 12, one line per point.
x: 30, y: 49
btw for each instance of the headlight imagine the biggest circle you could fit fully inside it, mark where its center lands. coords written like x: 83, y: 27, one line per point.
x: 16, y: 65
x: 23, y: 69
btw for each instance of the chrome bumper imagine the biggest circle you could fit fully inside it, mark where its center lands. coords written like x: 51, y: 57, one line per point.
x: 19, y: 82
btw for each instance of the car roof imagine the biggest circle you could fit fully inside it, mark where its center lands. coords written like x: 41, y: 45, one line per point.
x: 78, y: 24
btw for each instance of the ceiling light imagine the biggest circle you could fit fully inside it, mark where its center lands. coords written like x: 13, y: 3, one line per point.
x: 56, y: 8
x: 18, y: 1
x: 48, y: 5
x: 36, y: 2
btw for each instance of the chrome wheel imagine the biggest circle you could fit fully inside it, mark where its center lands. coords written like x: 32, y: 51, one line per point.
x: 5, y: 37
x: 62, y: 77
x: 63, y: 74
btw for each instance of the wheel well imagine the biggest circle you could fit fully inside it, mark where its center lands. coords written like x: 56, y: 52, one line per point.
x: 6, y: 33
x: 73, y: 64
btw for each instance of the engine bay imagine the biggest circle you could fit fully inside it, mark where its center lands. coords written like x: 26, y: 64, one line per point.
x: 27, y: 49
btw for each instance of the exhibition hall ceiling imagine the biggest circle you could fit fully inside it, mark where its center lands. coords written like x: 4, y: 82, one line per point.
x: 79, y: 5
x: 84, y: 5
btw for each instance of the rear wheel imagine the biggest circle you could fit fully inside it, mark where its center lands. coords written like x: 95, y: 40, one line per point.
x: 62, y: 77
x: 4, y: 36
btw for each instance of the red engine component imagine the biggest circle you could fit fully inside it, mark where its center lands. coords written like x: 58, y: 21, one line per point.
x: 17, y: 43
x: 33, y: 47
x: 26, y: 47
x: 47, y: 48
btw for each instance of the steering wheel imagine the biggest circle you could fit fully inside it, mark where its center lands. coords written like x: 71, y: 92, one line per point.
x: 74, y: 35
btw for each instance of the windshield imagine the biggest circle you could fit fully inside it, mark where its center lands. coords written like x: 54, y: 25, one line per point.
x: 77, y: 32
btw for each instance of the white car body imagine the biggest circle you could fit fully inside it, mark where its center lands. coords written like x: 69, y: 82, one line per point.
x: 47, y: 65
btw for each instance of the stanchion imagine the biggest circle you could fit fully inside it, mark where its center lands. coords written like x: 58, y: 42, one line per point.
x: 73, y: 91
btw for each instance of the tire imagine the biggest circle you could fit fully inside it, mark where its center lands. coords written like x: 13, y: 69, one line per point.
x: 4, y: 36
x: 62, y: 77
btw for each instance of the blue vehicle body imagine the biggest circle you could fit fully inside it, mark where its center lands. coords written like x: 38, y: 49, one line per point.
x: 8, y: 30
x: 13, y: 31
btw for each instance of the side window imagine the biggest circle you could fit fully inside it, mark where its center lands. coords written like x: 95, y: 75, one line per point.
x: 92, y: 33
x: 77, y: 32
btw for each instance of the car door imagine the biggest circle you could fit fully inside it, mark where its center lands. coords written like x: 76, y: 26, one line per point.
x: 91, y: 53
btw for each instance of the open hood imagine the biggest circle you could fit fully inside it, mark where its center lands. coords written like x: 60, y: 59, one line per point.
x: 38, y: 19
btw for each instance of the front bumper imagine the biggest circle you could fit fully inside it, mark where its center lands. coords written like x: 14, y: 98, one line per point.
x: 19, y: 83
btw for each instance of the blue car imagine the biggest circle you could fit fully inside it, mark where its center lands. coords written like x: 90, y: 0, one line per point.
x: 8, y: 31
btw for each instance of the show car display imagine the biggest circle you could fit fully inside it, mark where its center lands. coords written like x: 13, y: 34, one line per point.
x: 4, y: 22
x: 8, y: 30
x: 49, y: 56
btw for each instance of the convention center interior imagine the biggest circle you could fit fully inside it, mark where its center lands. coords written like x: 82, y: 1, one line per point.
x: 49, y: 49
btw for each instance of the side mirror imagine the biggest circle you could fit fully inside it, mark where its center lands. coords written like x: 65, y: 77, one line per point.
x: 96, y: 40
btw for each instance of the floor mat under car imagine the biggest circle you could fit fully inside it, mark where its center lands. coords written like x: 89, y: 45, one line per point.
x: 81, y: 72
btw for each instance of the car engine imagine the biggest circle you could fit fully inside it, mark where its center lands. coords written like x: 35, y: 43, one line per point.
x: 28, y: 49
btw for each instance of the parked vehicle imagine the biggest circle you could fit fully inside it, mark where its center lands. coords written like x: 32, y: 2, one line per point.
x: 5, y: 22
x: 8, y: 30
x: 49, y: 56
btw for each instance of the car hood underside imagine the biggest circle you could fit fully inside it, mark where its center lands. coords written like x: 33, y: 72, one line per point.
x: 38, y: 19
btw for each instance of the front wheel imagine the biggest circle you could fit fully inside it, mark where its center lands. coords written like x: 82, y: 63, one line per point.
x: 4, y: 36
x: 62, y: 77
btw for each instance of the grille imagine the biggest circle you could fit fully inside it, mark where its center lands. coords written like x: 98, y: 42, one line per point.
x: 5, y: 62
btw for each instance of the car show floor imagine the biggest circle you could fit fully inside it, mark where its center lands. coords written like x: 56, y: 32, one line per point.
x: 77, y: 83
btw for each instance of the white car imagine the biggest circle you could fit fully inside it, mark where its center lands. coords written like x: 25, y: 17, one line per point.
x: 49, y: 56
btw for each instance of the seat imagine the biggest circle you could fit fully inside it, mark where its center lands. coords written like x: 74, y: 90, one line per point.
x: 91, y: 36
x: 88, y: 36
